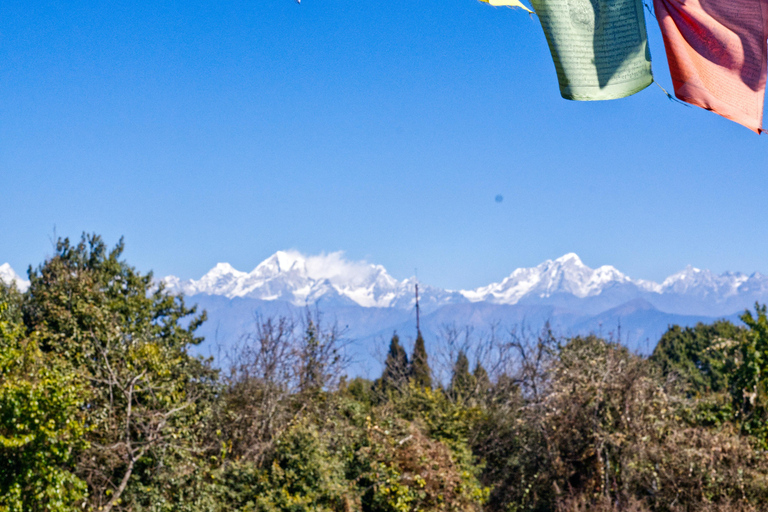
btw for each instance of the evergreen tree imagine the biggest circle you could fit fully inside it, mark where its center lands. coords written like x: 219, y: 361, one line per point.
x: 396, y: 366
x: 482, y: 381
x: 462, y: 382
x: 420, y: 373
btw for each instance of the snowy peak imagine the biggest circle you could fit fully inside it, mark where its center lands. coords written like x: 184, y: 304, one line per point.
x: 567, y: 274
x: 569, y: 258
x: 281, y: 261
x: 220, y: 280
x: 9, y: 276
x: 694, y: 281
x: 302, y: 280
x: 332, y: 279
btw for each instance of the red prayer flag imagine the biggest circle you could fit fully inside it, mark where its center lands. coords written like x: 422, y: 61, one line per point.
x: 717, y: 55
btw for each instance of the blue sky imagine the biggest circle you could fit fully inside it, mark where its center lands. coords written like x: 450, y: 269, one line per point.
x: 223, y: 131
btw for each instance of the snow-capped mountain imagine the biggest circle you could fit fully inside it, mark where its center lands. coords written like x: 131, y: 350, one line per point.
x: 694, y: 281
x: 566, y: 282
x: 565, y: 275
x: 305, y: 280
x: 696, y: 291
x: 8, y: 276
x: 366, y: 301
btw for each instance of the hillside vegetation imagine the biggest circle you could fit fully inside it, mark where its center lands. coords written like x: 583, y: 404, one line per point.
x: 103, y: 407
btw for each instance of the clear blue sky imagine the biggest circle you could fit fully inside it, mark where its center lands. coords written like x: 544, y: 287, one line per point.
x: 223, y: 131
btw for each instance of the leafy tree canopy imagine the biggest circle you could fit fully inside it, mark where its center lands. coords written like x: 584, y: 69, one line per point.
x: 698, y: 355
x: 128, y: 340
x: 41, y: 424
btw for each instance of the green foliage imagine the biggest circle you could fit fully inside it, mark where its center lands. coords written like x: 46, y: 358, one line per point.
x: 725, y: 367
x: 41, y: 424
x: 11, y: 300
x: 357, y: 457
x: 421, y: 438
x: 85, y: 294
x: 482, y: 380
x: 360, y: 390
x: 750, y: 381
x: 444, y: 420
x: 606, y: 429
x: 102, y: 408
x: 109, y: 325
x: 302, y: 475
x: 395, y: 374
x: 420, y: 372
x: 699, y: 356
x: 463, y: 384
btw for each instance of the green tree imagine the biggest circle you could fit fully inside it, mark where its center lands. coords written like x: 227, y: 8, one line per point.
x: 698, y: 355
x: 482, y: 380
x: 420, y: 373
x: 604, y: 433
x: 750, y: 381
x: 128, y: 340
x: 395, y: 374
x: 463, y: 383
x: 41, y: 424
x: 321, y: 358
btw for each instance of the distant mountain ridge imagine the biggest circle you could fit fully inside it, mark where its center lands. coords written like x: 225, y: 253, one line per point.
x: 370, y: 304
x: 332, y: 280
x: 306, y: 280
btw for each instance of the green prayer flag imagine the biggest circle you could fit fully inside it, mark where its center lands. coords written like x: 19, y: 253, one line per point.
x: 600, y: 47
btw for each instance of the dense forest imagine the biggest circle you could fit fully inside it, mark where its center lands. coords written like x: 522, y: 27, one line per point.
x: 103, y: 406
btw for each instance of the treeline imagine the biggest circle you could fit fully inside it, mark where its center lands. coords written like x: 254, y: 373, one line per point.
x: 103, y: 407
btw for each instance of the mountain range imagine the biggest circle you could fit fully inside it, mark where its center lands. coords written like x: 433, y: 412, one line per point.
x: 371, y: 304
x: 332, y: 280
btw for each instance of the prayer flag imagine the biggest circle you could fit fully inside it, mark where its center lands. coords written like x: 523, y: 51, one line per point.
x: 717, y: 55
x: 507, y: 3
x: 599, y: 47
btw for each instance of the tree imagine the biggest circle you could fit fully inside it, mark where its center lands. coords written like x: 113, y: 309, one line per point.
x: 277, y: 373
x: 482, y: 380
x: 255, y: 403
x: 750, y: 381
x: 698, y: 355
x: 128, y: 340
x: 463, y: 383
x: 41, y: 423
x: 321, y: 356
x: 395, y: 374
x: 420, y: 373
x: 604, y: 433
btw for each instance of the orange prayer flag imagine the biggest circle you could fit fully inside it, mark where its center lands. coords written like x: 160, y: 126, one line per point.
x: 717, y: 55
